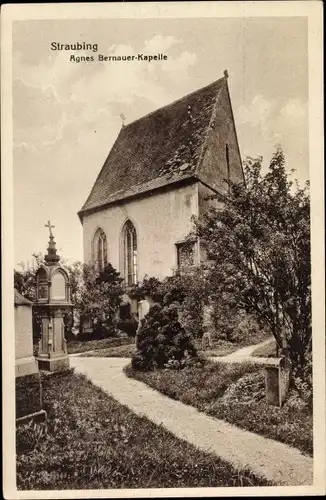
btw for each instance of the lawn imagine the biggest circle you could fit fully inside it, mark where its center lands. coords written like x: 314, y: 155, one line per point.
x: 221, y: 348
x: 122, y: 351
x: 266, y: 351
x: 235, y: 393
x: 224, y: 347
x: 75, y: 346
x: 90, y: 441
x: 127, y: 350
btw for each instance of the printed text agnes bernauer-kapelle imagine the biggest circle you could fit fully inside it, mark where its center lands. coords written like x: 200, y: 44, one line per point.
x: 102, y: 57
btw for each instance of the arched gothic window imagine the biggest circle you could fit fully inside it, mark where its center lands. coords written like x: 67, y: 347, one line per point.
x: 100, y: 254
x: 129, y: 253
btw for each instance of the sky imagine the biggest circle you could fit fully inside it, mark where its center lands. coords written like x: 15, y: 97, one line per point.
x: 66, y: 115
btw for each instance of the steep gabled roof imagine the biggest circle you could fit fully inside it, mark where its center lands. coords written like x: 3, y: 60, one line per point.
x: 160, y: 148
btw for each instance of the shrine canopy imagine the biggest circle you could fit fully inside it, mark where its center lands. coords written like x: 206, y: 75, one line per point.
x: 52, y: 280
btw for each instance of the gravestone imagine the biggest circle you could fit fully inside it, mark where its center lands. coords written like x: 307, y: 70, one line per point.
x: 277, y: 380
x: 28, y: 390
x: 25, y: 361
x: 207, y: 326
x: 86, y: 325
x: 143, y: 309
x: 51, y: 305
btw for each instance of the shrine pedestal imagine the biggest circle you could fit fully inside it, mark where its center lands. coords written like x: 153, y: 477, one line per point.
x: 53, y: 354
x: 53, y: 364
x: 53, y: 302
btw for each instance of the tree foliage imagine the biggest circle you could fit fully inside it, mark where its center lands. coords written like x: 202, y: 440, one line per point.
x: 96, y: 296
x: 24, y: 279
x: 258, y: 248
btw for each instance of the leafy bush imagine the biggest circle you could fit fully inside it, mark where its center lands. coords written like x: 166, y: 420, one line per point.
x: 161, y: 339
x: 96, y: 296
x: 234, y: 325
x: 188, y: 290
x: 128, y: 326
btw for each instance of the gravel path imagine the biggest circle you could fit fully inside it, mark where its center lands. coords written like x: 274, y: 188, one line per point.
x: 245, y: 355
x: 247, y: 351
x: 273, y: 460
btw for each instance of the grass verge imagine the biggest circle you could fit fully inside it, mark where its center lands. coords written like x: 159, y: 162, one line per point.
x: 236, y: 393
x: 28, y: 395
x: 222, y: 348
x: 102, y: 444
x: 266, y: 351
x: 127, y: 350
x: 225, y: 347
x: 75, y: 346
x: 123, y: 351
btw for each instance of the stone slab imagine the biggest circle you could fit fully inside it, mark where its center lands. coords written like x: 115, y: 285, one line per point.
x: 26, y: 366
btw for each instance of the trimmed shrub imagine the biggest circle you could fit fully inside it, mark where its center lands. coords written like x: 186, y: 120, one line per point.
x: 188, y: 290
x: 161, y: 340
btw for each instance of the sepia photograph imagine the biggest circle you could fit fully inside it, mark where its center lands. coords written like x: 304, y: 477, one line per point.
x: 162, y: 190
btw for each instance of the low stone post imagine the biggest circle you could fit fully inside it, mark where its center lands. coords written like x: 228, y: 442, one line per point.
x: 143, y: 309
x: 277, y: 380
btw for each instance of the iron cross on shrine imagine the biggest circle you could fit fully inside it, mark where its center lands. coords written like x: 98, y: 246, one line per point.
x: 50, y: 227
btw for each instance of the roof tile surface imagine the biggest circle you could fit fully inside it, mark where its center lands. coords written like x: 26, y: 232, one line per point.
x: 159, y: 148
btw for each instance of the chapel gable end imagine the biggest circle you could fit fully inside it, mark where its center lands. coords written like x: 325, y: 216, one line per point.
x: 221, y: 160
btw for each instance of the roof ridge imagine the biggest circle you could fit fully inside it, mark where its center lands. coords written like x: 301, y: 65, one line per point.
x: 174, y: 102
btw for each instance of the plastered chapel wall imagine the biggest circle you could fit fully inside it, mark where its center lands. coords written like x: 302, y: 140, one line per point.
x: 161, y: 220
x: 204, y: 200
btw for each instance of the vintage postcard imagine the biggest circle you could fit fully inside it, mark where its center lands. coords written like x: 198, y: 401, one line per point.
x: 163, y: 242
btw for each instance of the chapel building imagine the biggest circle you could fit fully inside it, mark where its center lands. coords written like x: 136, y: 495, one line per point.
x: 156, y: 177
